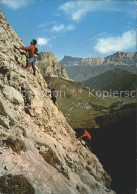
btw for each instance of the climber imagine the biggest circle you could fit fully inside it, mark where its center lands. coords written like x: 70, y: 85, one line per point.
x: 53, y: 97
x: 33, y: 52
x: 87, y: 138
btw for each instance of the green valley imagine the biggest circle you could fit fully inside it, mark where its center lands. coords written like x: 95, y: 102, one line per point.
x: 82, y: 111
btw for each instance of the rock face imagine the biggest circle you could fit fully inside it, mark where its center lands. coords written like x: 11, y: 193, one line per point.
x: 74, y: 61
x: 121, y: 58
x: 118, y: 58
x: 36, y: 143
x: 49, y: 66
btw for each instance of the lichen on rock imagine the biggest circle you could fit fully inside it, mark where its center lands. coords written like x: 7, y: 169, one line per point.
x: 15, y: 184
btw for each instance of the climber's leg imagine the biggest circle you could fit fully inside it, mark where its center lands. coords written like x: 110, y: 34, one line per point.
x: 27, y: 65
x: 34, y: 68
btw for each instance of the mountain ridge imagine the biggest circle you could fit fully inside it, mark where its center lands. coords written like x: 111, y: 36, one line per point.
x: 80, y: 69
x: 116, y: 79
x: 121, y: 58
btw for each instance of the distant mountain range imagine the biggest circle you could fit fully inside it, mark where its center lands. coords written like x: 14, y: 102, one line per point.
x: 117, y: 79
x: 80, y: 69
x: 75, y: 61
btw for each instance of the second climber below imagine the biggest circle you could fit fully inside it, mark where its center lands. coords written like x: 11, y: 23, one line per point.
x: 32, y: 50
x: 87, y: 138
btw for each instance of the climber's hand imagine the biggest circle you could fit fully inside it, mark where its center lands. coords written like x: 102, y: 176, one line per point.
x: 16, y: 47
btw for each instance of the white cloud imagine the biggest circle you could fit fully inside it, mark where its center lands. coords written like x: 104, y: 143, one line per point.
x: 62, y: 27
x: 118, y: 43
x: 42, y: 41
x: 76, y: 10
x: 15, y: 4
x: 58, y: 28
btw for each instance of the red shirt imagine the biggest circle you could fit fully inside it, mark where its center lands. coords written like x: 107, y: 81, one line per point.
x: 86, y: 134
x: 30, y: 48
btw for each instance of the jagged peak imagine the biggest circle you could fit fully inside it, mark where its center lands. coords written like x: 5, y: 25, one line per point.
x: 46, y: 55
x: 49, y: 65
x: 120, y: 53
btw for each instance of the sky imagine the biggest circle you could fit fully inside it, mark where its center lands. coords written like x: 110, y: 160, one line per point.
x: 74, y: 28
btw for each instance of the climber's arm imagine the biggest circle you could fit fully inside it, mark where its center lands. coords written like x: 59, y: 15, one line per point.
x: 82, y: 136
x: 23, y: 48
